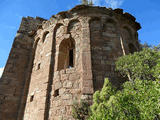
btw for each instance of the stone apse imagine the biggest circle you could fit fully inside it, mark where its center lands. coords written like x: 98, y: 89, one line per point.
x: 55, y: 62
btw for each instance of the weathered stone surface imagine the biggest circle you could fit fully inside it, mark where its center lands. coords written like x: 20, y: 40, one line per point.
x: 54, y: 62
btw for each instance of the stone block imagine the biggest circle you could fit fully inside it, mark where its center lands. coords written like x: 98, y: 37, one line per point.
x: 57, y: 85
x: 66, y: 96
x: 87, y: 90
x: 76, y: 85
x: 67, y: 84
x: 64, y: 77
x: 62, y: 91
x: 79, y: 50
x: 74, y: 77
x: 88, y: 83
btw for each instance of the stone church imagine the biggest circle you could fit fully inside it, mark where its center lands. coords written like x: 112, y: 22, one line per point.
x: 55, y: 62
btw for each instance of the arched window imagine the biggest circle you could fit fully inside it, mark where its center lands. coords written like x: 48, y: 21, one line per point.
x: 95, y: 24
x: 66, y: 57
x: 109, y: 26
x: 132, y: 48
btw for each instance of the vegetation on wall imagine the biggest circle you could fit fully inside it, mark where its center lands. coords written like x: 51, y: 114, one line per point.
x: 135, y: 102
x: 81, y: 110
x: 87, y: 2
x: 140, y: 98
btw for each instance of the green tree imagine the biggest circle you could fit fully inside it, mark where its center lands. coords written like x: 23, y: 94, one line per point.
x: 138, y: 101
x: 140, y: 65
x: 80, y: 111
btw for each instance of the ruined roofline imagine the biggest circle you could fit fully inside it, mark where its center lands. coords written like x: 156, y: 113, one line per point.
x: 29, y: 25
x: 77, y: 9
x: 34, y: 18
x: 54, y: 62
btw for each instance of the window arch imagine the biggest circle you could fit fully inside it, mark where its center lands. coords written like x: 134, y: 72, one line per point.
x: 109, y: 26
x: 73, y: 24
x: 131, y: 48
x: 66, y: 57
x: 95, y: 24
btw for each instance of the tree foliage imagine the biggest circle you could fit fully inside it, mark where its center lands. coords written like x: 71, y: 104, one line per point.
x: 80, y: 111
x: 138, y: 101
x: 140, y: 65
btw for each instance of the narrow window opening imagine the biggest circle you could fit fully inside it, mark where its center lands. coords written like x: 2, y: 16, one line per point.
x: 32, y: 97
x: 39, y: 66
x: 56, y: 93
x: 71, y: 64
x: 66, y: 57
x: 45, y: 35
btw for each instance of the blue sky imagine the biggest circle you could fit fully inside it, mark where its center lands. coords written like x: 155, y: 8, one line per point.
x: 147, y: 13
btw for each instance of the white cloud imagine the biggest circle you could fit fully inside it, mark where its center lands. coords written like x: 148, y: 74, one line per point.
x: 108, y: 3
x: 114, y: 3
x: 97, y: 2
x: 1, y: 71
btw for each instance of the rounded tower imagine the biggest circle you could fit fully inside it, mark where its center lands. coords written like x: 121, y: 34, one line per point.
x: 75, y: 51
x: 67, y: 59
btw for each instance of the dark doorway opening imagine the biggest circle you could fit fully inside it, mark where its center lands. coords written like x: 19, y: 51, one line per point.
x: 71, y: 64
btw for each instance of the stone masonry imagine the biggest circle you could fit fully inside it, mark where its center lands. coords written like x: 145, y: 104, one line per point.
x: 55, y: 62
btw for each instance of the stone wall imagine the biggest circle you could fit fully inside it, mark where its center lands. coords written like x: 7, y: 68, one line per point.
x: 36, y: 100
x: 64, y: 59
x: 106, y: 47
x: 17, y: 71
x: 66, y: 85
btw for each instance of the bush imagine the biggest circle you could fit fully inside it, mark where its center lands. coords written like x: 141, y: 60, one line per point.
x: 80, y: 111
x: 142, y: 65
x: 135, y: 102
x: 140, y: 98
